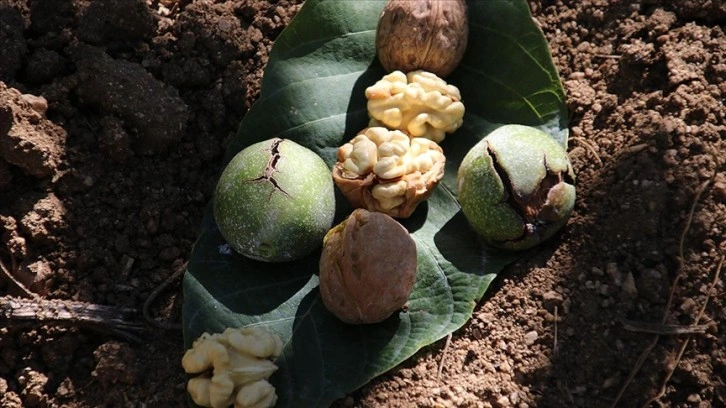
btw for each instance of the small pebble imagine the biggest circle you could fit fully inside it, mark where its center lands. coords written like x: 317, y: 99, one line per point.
x: 39, y: 103
x: 503, y: 401
x: 551, y: 299
x: 688, y: 306
x: 629, y: 288
x: 531, y: 337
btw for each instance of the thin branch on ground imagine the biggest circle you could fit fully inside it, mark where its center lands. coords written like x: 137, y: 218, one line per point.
x: 443, y: 357
x: 555, y: 350
x: 154, y: 294
x: 679, y: 273
x: 9, y: 276
x: 32, y: 309
x: 588, y: 146
x: 607, y: 56
x: 38, y: 311
x: 662, y: 329
x: 681, y: 246
x: 636, y: 368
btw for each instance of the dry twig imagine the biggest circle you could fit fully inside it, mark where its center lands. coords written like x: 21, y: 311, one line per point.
x: 33, y: 309
x: 154, y: 294
x: 588, y: 146
x: 607, y: 56
x: 443, y: 356
x: 662, y: 329
x: 44, y: 311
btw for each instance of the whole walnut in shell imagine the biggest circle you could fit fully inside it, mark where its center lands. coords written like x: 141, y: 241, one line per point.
x: 367, y: 268
x: 429, y: 35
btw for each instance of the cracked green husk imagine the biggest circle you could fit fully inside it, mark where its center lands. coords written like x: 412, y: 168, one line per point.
x: 516, y: 187
x: 274, y: 201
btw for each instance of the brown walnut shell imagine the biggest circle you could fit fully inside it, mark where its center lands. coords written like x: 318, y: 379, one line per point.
x: 422, y: 34
x: 359, y: 194
x: 367, y: 268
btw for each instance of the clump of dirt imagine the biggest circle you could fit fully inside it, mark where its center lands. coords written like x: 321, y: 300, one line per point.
x: 29, y: 140
x: 115, y: 364
x: 114, y: 115
x: 125, y: 94
x: 709, y: 11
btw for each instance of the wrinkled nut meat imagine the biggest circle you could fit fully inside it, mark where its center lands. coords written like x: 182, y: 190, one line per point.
x: 418, y: 103
x: 516, y: 187
x: 422, y: 34
x: 386, y: 171
x: 367, y: 268
x: 232, y: 368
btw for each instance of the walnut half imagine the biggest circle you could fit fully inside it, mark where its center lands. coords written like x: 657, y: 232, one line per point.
x: 418, y: 103
x: 387, y: 171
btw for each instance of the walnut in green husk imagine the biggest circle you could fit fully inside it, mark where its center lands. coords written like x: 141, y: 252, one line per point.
x: 274, y: 201
x: 516, y: 187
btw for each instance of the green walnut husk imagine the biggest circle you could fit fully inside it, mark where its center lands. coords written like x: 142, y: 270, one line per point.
x: 275, y: 201
x: 516, y: 187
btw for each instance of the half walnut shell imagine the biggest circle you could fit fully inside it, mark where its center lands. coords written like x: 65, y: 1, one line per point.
x: 385, y: 171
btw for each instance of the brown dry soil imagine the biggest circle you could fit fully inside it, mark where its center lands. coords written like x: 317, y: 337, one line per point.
x: 114, y: 115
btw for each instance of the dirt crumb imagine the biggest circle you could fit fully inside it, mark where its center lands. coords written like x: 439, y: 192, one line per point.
x: 115, y: 364
x: 27, y: 138
x: 33, y: 385
x: 8, y: 398
x: 45, y: 220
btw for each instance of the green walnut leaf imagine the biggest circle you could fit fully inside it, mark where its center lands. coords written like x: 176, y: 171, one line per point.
x: 313, y: 93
